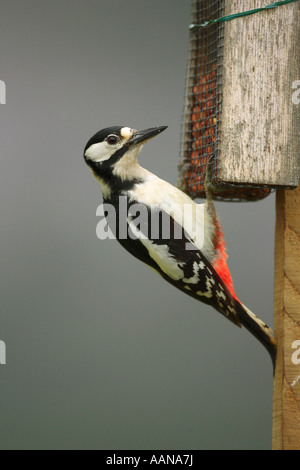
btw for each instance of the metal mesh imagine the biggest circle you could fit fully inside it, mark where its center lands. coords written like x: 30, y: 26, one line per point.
x: 203, y: 104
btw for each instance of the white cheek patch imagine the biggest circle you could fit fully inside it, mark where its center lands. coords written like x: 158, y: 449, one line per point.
x: 100, y: 152
x: 126, y: 133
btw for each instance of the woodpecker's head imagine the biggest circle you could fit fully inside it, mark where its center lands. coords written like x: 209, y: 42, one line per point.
x: 112, y: 154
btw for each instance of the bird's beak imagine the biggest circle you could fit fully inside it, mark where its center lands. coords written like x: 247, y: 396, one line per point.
x: 140, y: 137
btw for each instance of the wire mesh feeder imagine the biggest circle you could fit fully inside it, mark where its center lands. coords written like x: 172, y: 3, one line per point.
x: 203, y: 103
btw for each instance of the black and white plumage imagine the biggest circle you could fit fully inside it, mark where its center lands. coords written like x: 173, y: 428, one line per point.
x: 192, y: 256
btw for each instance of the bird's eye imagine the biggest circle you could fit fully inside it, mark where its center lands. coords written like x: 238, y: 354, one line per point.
x: 112, y: 139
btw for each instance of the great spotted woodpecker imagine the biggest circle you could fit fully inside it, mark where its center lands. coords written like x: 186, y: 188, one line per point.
x: 192, y: 257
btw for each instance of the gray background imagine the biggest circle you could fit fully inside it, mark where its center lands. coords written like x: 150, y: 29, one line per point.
x: 101, y: 353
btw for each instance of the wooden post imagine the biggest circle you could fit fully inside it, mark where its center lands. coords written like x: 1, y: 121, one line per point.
x: 286, y: 403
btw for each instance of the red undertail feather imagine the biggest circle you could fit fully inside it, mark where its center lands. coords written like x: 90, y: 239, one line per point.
x: 220, y: 264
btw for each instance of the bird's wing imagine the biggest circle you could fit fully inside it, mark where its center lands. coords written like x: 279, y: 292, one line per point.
x: 180, y: 262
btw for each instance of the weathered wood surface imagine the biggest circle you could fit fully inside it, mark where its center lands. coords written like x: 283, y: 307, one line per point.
x: 286, y: 394
x: 260, y: 120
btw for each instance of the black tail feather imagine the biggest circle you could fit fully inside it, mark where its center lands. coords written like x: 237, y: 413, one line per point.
x: 259, y: 329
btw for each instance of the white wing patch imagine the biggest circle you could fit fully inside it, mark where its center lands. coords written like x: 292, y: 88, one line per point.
x: 159, y: 253
x: 220, y: 294
x: 195, y: 278
x: 195, y: 219
x: 208, y: 294
x: 209, y: 284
